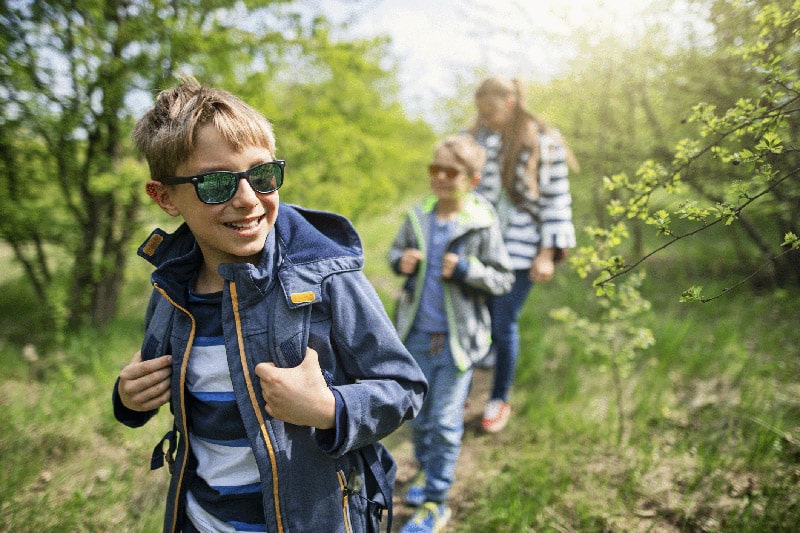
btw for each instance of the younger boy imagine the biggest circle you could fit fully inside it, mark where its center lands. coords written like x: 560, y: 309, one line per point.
x: 452, y: 251
x: 256, y: 301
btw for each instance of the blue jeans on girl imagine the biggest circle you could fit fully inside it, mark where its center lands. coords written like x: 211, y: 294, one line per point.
x: 505, y: 311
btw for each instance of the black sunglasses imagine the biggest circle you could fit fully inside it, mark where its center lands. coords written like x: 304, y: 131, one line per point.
x: 450, y: 172
x: 219, y: 186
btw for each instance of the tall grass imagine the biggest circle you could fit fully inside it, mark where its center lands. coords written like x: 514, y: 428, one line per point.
x: 67, y: 464
x: 713, y: 410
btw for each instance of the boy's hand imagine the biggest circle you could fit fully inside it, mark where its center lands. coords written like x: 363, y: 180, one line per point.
x: 298, y: 395
x: 144, y: 385
x: 409, y: 261
x: 449, y: 262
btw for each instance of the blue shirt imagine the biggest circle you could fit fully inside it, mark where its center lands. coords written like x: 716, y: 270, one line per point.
x: 431, y: 317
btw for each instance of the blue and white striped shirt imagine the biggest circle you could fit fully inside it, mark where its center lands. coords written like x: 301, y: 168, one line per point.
x: 550, y: 225
x: 224, y: 493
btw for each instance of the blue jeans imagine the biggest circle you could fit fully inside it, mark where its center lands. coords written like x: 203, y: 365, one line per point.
x: 505, y: 311
x: 439, y: 426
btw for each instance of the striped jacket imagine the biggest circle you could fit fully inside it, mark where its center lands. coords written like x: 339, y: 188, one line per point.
x: 544, y: 221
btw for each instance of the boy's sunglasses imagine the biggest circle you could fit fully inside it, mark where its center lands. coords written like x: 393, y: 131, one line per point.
x: 219, y: 186
x: 450, y: 172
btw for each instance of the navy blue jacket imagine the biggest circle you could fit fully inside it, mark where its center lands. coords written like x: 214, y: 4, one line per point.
x: 307, y: 290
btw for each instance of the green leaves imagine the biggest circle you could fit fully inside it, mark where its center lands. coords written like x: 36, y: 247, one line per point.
x: 738, y: 168
x: 661, y: 219
x: 791, y: 240
x: 692, y: 294
x: 77, y: 75
x: 770, y: 143
x: 615, y: 339
x: 351, y: 147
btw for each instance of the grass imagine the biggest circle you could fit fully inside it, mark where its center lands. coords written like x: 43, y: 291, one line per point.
x: 712, y: 409
x: 715, y: 426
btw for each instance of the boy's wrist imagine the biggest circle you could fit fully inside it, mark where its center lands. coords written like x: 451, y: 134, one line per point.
x: 327, y: 412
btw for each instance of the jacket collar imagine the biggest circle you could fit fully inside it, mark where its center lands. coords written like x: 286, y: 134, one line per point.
x: 476, y: 213
x: 305, y: 247
x: 314, y: 245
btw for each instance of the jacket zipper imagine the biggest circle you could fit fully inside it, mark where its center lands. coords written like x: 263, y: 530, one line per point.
x: 256, y: 404
x: 182, y: 404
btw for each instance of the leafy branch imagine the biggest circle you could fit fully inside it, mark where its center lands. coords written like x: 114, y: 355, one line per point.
x: 758, y: 131
x: 662, y: 220
x: 693, y: 294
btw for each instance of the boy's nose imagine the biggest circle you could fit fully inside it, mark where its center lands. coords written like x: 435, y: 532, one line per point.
x: 245, y: 195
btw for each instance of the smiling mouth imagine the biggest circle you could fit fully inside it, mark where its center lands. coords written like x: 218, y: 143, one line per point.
x: 241, y: 226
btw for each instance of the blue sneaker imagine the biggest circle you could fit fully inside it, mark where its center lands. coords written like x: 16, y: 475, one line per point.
x: 430, y: 518
x: 415, y: 496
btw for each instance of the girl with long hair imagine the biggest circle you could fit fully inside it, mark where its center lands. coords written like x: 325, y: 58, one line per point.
x: 525, y: 178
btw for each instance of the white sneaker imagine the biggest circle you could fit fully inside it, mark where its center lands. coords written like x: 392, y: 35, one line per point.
x: 495, y: 416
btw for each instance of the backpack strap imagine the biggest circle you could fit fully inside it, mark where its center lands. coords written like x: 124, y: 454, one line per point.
x: 383, y: 474
x: 160, y: 454
x: 161, y: 315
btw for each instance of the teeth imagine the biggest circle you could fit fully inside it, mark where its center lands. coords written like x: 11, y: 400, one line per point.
x: 249, y: 225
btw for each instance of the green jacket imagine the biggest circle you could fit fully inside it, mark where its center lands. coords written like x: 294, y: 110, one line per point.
x: 483, y: 270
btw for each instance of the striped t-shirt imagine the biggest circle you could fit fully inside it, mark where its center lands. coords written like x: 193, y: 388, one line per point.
x: 550, y: 223
x: 224, y: 491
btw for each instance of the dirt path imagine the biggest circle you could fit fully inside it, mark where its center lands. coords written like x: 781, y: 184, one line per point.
x: 468, y: 461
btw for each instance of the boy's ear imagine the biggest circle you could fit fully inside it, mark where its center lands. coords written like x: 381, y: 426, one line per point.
x: 159, y: 193
x: 473, y: 182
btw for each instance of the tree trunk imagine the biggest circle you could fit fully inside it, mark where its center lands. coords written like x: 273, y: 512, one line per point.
x: 115, y: 251
x: 82, y: 291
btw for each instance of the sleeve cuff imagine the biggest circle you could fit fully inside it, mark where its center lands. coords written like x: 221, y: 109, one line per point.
x: 330, y: 440
x: 129, y: 417
x: 462, y: 267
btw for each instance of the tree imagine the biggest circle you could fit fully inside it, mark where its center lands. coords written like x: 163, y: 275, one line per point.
x: 353, y: 149
x: 68, y: 71
x: 721, y: 173
x: 74, y: 75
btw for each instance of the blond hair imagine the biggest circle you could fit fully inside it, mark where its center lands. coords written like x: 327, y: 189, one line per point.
x: 166, y: 134
x: 520, y: 133
x: 466, y: 150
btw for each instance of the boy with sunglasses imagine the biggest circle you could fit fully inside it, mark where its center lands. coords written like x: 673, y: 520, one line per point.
x: 279, y: 364
x: 452, y: 251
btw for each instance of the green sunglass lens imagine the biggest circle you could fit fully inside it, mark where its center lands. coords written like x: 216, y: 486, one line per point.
x: 217, y: 188
x: 265, y: 178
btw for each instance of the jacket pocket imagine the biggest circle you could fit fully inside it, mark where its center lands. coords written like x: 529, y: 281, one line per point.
x: 367, y: 476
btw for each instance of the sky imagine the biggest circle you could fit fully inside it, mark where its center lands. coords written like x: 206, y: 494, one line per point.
x: 437, y: 41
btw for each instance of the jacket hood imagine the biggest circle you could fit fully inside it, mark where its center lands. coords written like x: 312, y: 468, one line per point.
x: 476, y: 212
x: 313, y: 245
x: 305, y: 247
